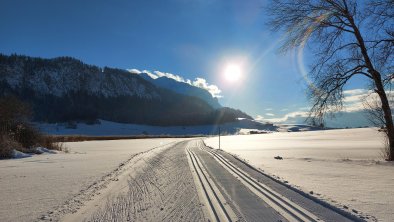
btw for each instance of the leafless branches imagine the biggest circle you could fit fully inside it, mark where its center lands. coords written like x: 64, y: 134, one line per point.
x: 347, y: 38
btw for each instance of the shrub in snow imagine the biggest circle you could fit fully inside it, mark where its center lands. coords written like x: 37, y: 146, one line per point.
x: 7, y: 145
x: 17, y: 134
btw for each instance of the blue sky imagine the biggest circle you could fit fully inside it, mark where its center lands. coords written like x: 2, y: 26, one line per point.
x: 192, y: 39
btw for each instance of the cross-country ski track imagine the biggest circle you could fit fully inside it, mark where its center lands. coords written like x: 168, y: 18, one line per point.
x: 188, y: 181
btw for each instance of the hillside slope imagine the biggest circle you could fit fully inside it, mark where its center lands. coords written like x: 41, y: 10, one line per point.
x: 65, y: 89
x: 183, y: 88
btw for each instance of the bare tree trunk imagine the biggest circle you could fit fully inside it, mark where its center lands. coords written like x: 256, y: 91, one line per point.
x: 388, y: 119
x: 379, y: 90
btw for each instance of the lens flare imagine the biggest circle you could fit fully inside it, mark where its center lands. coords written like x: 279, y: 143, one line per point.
x: 300, y: 49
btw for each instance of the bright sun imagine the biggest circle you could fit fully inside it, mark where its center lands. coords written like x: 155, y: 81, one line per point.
x: 232, y: 72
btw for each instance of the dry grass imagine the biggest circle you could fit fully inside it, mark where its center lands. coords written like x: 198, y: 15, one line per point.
x: 50, y: 143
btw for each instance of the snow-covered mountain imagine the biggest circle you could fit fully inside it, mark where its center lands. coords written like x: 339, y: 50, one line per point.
x: 183, y: 88
x: 62, y: 75
x: 65, y: 89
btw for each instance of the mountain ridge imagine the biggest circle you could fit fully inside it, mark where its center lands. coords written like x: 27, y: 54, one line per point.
x: 66, y: 89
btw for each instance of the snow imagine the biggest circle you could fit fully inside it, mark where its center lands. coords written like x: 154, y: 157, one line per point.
x: 343, y: 167
x: 19, y: 155
x: 159, y: 187
x: 296, y: 127
x: 31, y: 187
x: 107, y: 128
x: 42, y: 150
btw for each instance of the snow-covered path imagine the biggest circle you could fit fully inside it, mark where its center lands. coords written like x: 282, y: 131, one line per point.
x: 187, y: 181
x: 150, y: 180
x: 38, y: 186
x: 157, y: 188
x: 253, y: 196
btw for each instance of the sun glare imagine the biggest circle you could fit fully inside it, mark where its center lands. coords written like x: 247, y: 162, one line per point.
x: 232, y: 72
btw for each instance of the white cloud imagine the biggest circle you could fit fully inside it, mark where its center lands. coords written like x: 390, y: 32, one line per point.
x: 202, y: 83
x: 353, y: 102
x: 355, y: 95
x: 198, y: 82
x: 259, y: 118
x: 351, y: 92
x: 355, y: 99
x: 268, y: 109
x: 169, y: 75
x: 153, y: 76
x: 352, y: 114
x: 293, y: 117
x: 134, y: 71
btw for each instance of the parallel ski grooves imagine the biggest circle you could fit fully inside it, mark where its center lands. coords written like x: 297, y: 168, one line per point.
x: 287, y: 208
x: 216, y: 205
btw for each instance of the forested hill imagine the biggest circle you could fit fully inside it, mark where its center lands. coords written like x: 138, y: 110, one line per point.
x: 64, y: 89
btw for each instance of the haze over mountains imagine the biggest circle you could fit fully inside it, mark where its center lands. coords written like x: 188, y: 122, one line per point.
x: 65, y: 89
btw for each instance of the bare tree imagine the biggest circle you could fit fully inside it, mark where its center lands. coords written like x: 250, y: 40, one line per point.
x: 347, y: 38
x: 373, y: 108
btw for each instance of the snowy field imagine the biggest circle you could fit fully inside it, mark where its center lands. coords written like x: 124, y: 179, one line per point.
x: 31, y: 187
x: 107, y: 128
x: 343, y: 167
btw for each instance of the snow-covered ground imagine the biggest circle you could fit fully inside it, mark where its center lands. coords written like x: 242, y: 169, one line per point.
x: 344, y: 167
x: 107, y: 128
x: 31, y: 187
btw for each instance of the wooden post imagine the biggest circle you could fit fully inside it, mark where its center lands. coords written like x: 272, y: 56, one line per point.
x: 219, y: 137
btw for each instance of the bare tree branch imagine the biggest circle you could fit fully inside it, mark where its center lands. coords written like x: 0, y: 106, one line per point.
x: 347, y: 38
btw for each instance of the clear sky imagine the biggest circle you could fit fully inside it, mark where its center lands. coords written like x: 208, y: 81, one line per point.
x: 192, y: 39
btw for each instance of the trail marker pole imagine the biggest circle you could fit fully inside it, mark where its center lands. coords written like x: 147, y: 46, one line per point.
x: 219, y: 137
